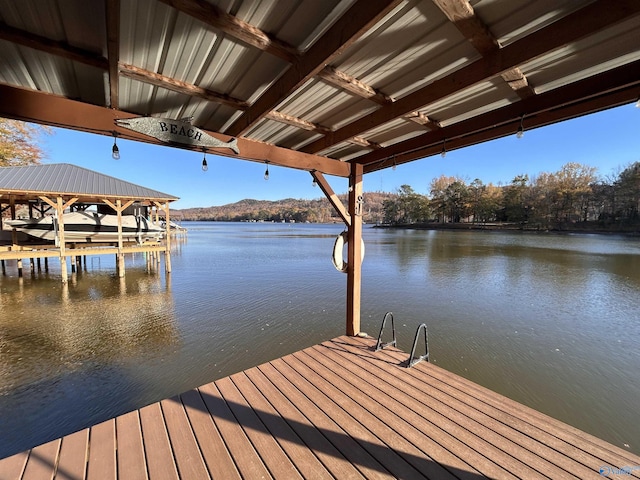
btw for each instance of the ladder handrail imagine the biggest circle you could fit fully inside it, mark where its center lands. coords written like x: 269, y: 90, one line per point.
x: 412, y: 361
x: 379, y: 344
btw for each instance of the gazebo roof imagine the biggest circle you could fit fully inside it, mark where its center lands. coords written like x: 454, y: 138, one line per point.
x: 319, y: 85
x: 69, y: 180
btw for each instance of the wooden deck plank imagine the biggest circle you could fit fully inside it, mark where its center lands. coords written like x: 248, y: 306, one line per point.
x: 269, y: 449
x: 334, y: 410
x: 371, y: 414
x: 42, y: 461
x: 131, y: 460
x: 183, y: 443
x: 13, y: 467
x: 304, y: 459
x: 157, y: 448
x: 214, y: 451
x: 570, y: 442
x: 472, y: 446
x: 247, y: 460
x: 102, y: 451
x: 330, y: 456
x: 536, y: 423
x: 425, y: 441
x: 482, y: 436
x: 72, y: 460
x: 344, y: 443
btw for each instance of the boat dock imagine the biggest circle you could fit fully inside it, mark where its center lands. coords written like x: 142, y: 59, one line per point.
x: 334, y: 410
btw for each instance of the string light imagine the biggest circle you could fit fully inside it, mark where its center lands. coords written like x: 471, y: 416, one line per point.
x: 266, y: 172
x: 443, y: 152
x: 115, y: 151
x: 394, y: 163
x: 520, y: 132
x: 205, y: 167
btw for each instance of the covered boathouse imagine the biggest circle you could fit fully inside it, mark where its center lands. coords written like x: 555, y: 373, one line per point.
x: 337, y: 88
x: 51, y: 190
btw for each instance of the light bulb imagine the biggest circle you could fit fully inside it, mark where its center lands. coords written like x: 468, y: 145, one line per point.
x: 205, y: 167
x: 115, y: 151
x: 520, y: 132
x: 266, y: 174
x: 638, y: 103
x: 314, y: 183
x: 443, y: 153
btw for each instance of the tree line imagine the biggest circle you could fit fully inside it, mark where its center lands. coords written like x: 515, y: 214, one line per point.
x: 574, y: 197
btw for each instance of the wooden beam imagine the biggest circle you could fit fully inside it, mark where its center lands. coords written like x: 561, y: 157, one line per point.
x: 463, y: 16
x: 592, y: 18
x: 354, y: 257
x: 612, y: 88
x: 351, y: 84
x: 342, y: 34
x: 338, y: 206
x: 113, y: 50
x: 46, y: 45
x: 213, y: 16
x: 297, y: 122
x: 179, y: 86
x: 47, y: 109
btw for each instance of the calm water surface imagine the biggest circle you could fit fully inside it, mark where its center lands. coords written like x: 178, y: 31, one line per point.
x: 552, y: 321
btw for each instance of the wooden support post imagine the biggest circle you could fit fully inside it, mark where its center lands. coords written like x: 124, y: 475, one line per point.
x: 39, y: 265
x: 4, y: 268
x: 20, y: 267
x: 354, y: 258
x: 167, y: 250
x: 46, y: 264
x: 32, y: 264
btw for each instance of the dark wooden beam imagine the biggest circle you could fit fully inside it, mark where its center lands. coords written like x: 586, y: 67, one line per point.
x: 351, y: 26
x: 47, y: 109
x: 46, y: 45
x: 113, y: 50
x: 234, y: 27
x: 608, y: 89
x: 178, y: 86
x: 592, y: 18
x: 351, y: 84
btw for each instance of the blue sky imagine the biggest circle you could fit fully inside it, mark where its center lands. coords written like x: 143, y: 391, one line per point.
x: 608, y: 140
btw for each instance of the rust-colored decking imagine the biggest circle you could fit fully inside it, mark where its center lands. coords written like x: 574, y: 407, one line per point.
x: 334, y: 410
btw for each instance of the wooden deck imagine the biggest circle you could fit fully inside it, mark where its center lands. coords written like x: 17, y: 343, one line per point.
x: 335, y: 410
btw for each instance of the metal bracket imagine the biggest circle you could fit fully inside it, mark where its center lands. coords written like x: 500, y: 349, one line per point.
x: 359, y: 202
x: 392, y: 343
x: 412, y: 361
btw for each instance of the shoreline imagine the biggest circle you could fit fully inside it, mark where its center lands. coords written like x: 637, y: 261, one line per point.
x: 512, y: 227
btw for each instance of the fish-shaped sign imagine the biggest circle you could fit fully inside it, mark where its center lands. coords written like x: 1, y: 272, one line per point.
x: 177, y: 131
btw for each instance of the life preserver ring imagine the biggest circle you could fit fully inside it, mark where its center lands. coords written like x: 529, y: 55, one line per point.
x: 338, y: 248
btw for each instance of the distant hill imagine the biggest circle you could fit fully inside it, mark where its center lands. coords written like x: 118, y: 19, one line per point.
x: 299, y: 210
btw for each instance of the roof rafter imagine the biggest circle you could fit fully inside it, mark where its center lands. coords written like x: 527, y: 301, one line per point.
x: 463, y: 16
x: 113, y: 50
x: 347, y: 29
x: 53, y: 47
x: 179, y: 86
x: 234, y: 27
x: 593, y: 17
x: 578, y: 98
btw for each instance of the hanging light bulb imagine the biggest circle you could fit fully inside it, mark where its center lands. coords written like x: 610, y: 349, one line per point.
x: 205, y: 167
x: 638, y: 103
x: 443, y: 152
x: 394, y: 166
x: 314, y: 183
x: 520, y: 132
x: 115, y: 151
x: 266, y: 172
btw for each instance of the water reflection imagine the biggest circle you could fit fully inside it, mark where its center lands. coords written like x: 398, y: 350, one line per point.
x: 61, y: 347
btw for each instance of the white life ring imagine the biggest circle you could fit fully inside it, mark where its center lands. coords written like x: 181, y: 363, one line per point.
x: 338, y: 247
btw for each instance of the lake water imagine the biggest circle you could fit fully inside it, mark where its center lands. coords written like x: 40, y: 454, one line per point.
x: 552, y: 321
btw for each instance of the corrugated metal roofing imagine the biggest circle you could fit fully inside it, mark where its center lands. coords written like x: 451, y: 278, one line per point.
x: 67, y: 179
x: 409, y: 48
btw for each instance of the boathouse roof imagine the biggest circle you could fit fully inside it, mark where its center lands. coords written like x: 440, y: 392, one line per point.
x: 71, y: 180
x: 319, y: 86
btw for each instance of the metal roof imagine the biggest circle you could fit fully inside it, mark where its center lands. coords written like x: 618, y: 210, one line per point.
x: 71, y: 180
x: 314, y: 84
